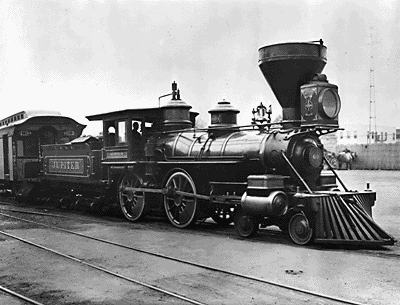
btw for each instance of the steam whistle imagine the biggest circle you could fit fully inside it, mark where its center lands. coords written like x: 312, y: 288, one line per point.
x: 175, y: 94
x: 175, y: 91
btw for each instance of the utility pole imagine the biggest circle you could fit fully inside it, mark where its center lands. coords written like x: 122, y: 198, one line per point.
x: 372, y: 105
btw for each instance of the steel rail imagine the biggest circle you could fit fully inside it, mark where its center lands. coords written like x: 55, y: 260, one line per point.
x: 52, y: 215
x: 129, y: 224
x: 257, y: 279
x: 172, y: 294
x: 20, y: 296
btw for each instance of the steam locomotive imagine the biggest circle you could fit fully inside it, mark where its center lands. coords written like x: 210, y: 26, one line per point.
x: 257, y: 175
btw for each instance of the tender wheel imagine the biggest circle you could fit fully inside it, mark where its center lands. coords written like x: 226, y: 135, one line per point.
x: 245, y: 225
x: 224, y: 216
x: 299, y: 229
x: 131, y: 202
x: 180, y: 202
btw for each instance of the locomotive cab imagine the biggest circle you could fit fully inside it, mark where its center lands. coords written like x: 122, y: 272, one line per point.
x: 120, y: 143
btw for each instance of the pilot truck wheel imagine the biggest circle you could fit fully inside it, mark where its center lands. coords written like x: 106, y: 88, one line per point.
x: 300, y: 230
x: 245, y: 224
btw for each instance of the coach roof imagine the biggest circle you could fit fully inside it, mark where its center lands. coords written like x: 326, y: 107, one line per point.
x: 22, y: 116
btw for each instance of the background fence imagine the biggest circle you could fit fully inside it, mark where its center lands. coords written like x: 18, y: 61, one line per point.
x: 374, y: 156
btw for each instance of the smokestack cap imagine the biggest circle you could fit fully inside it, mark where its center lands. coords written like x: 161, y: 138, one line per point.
x: 287, y: 66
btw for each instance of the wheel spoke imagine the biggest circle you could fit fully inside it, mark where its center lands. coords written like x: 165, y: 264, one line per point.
x: 189, y: 208
x: 128, y: 208
x: 183, y: 186
x: 175, y: 214
x: 171, y: 204
x: 184, y: 216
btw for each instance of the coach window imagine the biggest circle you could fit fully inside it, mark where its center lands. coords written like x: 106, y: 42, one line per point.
x: 20, y: 148
x: 121, y: 132
x: 29, y: 147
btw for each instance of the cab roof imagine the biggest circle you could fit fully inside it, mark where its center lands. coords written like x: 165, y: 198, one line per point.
x: 147, y: 114
x: 142, y: 114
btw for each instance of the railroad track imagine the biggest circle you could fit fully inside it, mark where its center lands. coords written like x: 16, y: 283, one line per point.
x: 32, y: 212
x: 208, y: 228
x: 34, y: 209
x: 19, y: 296
x: 170, y: 258
x: 169, y: 293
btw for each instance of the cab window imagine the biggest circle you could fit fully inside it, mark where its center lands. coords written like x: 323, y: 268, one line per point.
x: 121, y: 132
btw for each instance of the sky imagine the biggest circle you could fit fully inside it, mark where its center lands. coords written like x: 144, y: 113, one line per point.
x: 89, y: 57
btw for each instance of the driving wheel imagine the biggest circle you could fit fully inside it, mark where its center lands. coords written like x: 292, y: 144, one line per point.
x: 180, y: 202
x: 131, y: 201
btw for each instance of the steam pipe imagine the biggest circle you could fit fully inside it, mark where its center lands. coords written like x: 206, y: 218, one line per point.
x: 159, y: 98
x: 210, y: 137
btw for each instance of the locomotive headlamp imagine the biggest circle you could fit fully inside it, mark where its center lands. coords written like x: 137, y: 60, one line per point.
x: 320, y: 102
x: 329, y: 102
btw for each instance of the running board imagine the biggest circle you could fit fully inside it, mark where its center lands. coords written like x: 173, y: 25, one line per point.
x: 343, y: 219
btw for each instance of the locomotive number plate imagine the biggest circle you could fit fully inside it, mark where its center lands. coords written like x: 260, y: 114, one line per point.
x: 66, y: 166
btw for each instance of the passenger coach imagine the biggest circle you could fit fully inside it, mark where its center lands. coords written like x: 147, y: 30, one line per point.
x: 21, y: 137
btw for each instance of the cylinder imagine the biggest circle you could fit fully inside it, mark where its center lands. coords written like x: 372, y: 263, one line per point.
x: 273, y: 205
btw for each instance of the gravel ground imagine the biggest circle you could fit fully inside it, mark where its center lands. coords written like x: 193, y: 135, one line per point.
x: 54, y: 278
x: 366, y: 276
x: 358, y: 276
x: 50, y: 279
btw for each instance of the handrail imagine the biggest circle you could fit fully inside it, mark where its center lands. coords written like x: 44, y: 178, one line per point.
x: 296, y: 173
x: 336, y: 175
